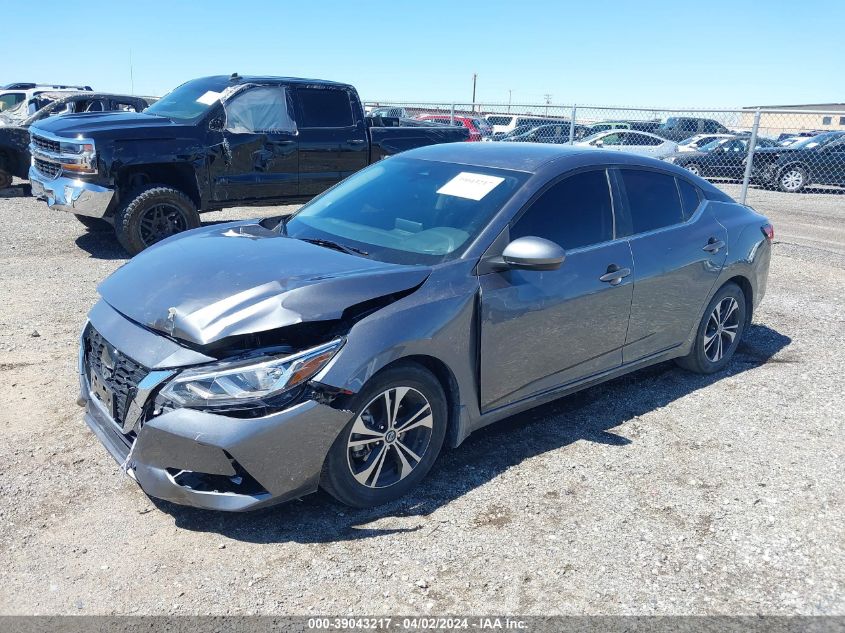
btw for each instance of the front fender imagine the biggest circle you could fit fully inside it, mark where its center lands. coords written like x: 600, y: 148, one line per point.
x: 437, y: 321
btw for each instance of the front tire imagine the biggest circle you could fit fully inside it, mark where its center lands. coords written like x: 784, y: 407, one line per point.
x: 5, y: 179
x: 793, y: 179
x: 693, y: 168
x: 391, y: 443
x: 719, y: 332
x: 151, y: 214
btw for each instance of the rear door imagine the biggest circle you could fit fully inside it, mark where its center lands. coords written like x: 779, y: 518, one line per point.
x: 540, y: 330
x: 678, y: 248
x: 333, y: 141
x: 258, y: 157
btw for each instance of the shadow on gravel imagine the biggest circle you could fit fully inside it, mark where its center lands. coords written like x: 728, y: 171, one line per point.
x: 101, y: 244
x: 588, y: 415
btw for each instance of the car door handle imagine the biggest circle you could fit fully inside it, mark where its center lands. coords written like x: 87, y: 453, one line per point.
x: 615, y: 275
x: 713, y: 245
x: 356, y: 141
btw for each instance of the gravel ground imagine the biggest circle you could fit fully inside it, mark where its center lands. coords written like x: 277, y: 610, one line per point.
x: 661, y: 492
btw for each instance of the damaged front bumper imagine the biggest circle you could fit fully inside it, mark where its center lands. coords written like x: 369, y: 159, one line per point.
x: 71, y: 194
x: 192, y: 457
x: 212, y: 461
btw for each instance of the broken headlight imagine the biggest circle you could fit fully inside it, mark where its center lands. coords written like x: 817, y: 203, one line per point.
x: 233, y: 383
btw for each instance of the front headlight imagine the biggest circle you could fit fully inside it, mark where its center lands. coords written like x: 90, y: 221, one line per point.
x: 238, y: 382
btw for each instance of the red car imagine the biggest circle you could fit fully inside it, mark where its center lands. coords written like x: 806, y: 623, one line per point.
x: 478, y: 128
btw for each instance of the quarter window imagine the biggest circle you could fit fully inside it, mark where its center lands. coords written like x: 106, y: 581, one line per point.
x: 573, y: 213
x: 324, y: 107
x: 689, y: 198
x: 652, y: 199
x: 827, y: 120
x: 262, y: 109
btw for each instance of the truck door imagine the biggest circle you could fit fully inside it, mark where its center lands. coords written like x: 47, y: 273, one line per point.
x: 333, y: 142
x: 258, y: 157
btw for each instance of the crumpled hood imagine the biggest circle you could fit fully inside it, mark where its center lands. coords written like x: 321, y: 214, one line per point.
x: 102, y: 122
x: 241, y: 278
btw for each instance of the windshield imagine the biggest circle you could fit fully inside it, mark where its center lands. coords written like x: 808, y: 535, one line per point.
x: 709, y: 147
x: 818, y: 141
x: 407, y: 211
x: 190, y: 100
x: 499, y: 120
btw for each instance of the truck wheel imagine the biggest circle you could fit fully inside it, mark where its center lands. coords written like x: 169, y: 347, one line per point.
x: 5, y: 179
x: 151, y: 214
x: 93, y: 224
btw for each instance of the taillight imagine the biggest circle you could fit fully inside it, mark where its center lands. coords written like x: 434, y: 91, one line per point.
x: 768, y: 231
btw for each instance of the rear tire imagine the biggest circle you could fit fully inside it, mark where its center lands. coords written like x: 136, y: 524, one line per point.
x: 151, y: 214
x: 93, y: 224
x: 380, y: 456
x: 719, y: 332
x: 5, y: 179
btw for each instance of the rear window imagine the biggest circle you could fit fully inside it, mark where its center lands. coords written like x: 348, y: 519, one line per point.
x: 324, y: 108
x: 653, y: 199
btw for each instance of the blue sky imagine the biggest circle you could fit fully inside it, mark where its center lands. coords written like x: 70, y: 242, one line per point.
x: 702, y: 53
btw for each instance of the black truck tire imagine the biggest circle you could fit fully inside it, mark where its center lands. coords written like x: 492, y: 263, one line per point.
x: 5, y: 179
x: 93, y: 224
x: 151, y: 214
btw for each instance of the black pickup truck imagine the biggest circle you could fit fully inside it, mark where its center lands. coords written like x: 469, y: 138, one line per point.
x: 212, y: 143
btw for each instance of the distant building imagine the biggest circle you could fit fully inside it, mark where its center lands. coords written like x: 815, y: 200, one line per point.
x: 795, y: 118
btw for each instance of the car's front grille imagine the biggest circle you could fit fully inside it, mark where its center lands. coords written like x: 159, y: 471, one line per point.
x: 119, y: 373
x: 51, y: 170
x: 45, y: 144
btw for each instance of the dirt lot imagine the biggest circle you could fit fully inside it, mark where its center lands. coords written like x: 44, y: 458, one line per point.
x: 659, y: 493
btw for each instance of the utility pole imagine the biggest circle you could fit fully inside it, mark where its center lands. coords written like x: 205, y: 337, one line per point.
x: 131, y: 75
x: 510, y: 94
x: 548, y: 98
x: 474, y: 78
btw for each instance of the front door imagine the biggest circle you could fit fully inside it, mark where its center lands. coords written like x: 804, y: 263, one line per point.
x: 678, y: 254
x: 333, y: 140
x: 540, y: 330
x: 258, y: 156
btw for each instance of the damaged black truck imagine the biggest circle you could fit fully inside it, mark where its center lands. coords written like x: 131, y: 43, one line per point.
x: 212, y: 143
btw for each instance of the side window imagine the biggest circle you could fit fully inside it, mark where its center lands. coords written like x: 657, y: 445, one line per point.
x: 262, y: 109
x: 652, y: 199
x: 688, y: 125
x: 611, y: 139
x: 689, y: 198
x: 641, y: 139
x: 324, y: 107
x: 573, y: 213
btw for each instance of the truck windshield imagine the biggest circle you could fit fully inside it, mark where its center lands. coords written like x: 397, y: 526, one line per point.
x: 190, y: 100
x: 407, y: 211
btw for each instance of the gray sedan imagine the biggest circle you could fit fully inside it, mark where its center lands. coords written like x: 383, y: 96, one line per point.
x: 435, y: 292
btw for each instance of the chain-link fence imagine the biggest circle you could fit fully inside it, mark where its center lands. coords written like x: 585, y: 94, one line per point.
x: 791, y: 150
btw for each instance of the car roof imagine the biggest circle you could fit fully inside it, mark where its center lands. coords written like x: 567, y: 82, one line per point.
x: 528, y: 157
x: 262, y: 79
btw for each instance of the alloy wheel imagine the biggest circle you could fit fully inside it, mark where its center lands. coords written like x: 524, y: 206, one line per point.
x: 161, y: 221
x: 693, y: 169
x: 792, y: 180
x: 721, y: 329
x: 390, y: 437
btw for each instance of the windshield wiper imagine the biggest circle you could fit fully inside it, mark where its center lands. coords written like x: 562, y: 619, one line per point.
x: 349, y: 250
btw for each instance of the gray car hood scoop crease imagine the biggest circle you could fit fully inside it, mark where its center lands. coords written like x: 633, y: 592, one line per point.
x: 241, y: 278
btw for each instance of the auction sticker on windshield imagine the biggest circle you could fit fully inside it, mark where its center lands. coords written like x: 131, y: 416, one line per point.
x: 209, y: 97
x: 469, y: 185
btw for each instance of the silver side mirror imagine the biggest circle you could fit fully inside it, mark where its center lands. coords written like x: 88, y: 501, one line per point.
x: 533, y: 253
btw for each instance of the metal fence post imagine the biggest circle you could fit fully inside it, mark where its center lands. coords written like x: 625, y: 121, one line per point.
x: 572, y: 125
x: 749, y: 159
x: 452, y: 116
